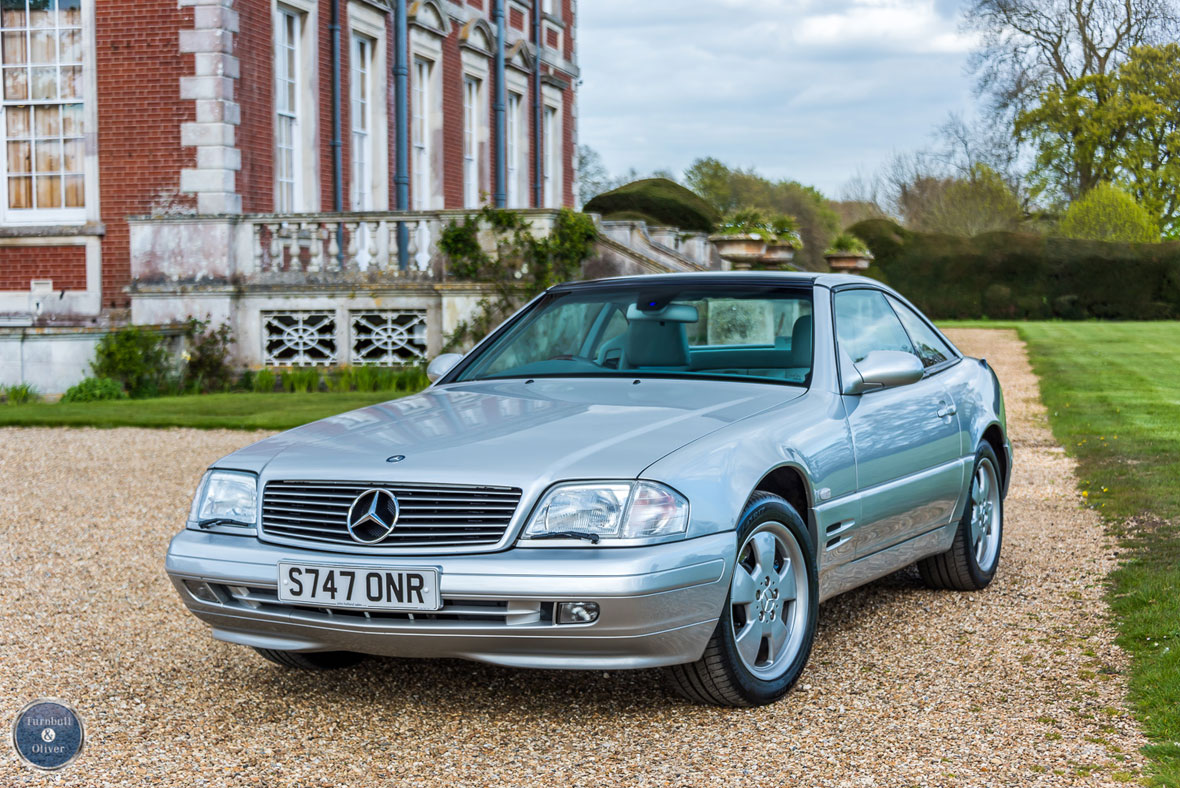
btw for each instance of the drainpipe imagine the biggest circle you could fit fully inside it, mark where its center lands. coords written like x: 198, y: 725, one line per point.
x: 337, y: 143
x: 501, y: 194
x: 538, y: 154
x: 401, y: 75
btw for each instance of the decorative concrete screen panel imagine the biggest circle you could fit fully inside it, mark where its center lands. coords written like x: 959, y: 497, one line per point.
x: 388, y: 337
x: 303, y: 338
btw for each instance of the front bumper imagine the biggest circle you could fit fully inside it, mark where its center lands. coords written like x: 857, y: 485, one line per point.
x: 659, y: 604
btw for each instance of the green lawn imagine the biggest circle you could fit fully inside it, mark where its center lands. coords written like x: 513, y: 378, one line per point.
x: 206, y: 411
x: 1113, y: 395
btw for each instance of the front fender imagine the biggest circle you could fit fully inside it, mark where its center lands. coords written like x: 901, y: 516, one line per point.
x: 718, y: 472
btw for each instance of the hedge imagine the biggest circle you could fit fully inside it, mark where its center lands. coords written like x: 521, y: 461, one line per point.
x: 1006, y: 275
x: 664, y: 201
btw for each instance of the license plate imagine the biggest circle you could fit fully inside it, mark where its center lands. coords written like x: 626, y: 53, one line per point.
x: 350, y: 586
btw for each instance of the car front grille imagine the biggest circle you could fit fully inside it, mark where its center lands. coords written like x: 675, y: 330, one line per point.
x: 430, y: 515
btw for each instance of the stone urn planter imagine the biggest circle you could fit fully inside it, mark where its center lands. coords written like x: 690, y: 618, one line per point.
x: 742, y: 250
x: 848, y: 262
x: 778, y: 255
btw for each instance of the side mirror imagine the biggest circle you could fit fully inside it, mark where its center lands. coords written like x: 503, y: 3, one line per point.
x: 442, y: 365
x: 884, y: 369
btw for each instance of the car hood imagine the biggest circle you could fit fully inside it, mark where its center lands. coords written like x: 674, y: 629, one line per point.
x: 511, y: 432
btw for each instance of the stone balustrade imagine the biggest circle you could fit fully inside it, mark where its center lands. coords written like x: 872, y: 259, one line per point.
x: 294, y: 249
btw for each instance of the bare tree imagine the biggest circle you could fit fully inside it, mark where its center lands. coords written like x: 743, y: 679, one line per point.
x: 963, y: 145
x: 1027, y: 45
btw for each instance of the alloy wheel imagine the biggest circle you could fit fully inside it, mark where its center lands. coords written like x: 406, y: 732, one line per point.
x: 769, y: 600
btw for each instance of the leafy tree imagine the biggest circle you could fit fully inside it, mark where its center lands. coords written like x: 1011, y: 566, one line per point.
x: 1107, y: 213
x: 729, y: 189
x: 1122, y: 127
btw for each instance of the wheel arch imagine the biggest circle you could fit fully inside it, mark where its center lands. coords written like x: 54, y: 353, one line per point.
x: 790, y: 482
x: 994, y: 435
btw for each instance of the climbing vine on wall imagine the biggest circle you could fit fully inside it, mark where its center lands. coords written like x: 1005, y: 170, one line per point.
x: 521, y: 266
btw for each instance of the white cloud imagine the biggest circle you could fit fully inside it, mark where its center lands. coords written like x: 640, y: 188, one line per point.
x: 805, y: 89
x: 887, y: 24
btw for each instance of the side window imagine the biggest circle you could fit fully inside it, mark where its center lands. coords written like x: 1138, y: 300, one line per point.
x: 931, y: 349
x: 865, y: 322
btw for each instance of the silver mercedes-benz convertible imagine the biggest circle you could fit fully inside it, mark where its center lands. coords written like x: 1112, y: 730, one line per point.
x: 661, y: 471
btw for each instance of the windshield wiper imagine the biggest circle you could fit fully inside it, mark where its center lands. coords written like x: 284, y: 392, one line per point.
x: 215, y: 521
x: 591, y: 538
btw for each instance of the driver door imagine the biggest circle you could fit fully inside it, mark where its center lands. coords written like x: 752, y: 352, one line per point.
x: 905, y: 439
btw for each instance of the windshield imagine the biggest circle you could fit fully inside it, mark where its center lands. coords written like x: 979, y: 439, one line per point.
x: 761, y: 333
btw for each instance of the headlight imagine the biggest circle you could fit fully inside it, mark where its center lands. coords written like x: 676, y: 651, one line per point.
x: 609, y: 510
x: 225, y: 498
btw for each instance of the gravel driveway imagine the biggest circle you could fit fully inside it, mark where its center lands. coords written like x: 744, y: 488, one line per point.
x: 1017, y: 685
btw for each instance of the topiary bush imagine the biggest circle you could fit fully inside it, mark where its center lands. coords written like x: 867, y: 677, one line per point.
x: 665, y: 201
x: 1005, y: 275
x: 94, y: 390
x: 1107, y: 213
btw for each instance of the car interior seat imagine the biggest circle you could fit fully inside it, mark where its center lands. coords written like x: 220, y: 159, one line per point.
x: 655, y: 343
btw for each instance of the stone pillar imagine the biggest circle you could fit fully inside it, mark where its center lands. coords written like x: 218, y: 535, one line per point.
x: 211, y: 87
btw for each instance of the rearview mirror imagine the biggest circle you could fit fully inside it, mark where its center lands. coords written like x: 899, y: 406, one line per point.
x: 442, y: 365
x: 883, y: 369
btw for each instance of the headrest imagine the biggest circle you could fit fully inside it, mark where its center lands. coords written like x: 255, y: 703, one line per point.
x: 801, y: 339
x: 654, y: 344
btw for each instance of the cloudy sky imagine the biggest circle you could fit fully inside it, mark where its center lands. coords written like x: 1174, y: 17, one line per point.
x: 812, y: 90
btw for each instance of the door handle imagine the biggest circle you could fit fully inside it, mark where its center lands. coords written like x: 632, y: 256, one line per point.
x: 947, y: 410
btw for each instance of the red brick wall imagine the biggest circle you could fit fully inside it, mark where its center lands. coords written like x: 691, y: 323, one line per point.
x: 324, y: 83
x: 139, y: 66
x: 567, y: 147
x: 567, y: 16
x: 516, y: 18
x: 452, y: 100
x: 65, y: 265
x: 255, y: 92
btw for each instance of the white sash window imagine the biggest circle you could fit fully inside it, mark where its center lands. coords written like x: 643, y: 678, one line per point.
x: 420, y: 131
x: 552, y: 146
x: 471, y: 127
x: 42, y: 49
x: 288, y: 159
x: 513, y: 154
x: 362, y: 123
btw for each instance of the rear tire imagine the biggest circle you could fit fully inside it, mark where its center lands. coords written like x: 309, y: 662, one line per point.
x: 764, y: 633
x: 311, y: 660
x: 974, y: 556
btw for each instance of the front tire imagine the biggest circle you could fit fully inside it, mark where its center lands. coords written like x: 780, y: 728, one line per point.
x: 765, y: 632
x: 974, y: 556
x: 311, y: 660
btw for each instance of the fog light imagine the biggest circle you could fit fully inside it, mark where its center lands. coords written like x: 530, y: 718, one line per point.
x: 202, y: 591
x: 577, y: 612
